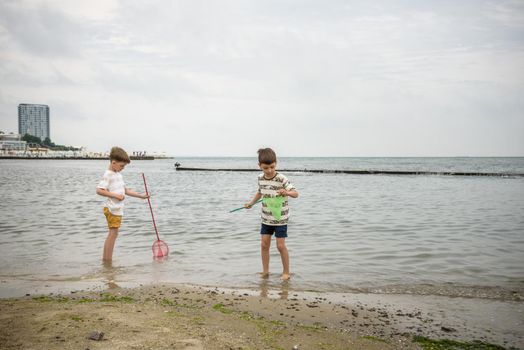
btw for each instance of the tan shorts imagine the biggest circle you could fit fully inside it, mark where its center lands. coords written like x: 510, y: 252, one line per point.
x: 113, y: 221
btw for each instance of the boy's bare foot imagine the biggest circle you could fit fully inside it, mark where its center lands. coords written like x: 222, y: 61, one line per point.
x: 264, y: 274
x: 285, y: 276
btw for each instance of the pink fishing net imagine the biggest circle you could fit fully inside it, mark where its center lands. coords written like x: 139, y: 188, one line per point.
x: 160, y: 249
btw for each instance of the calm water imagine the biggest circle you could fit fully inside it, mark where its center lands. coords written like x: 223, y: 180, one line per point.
x: 407, y: 234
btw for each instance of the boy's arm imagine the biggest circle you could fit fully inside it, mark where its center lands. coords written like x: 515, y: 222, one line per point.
x: 287, y: 190
x: 257, y: 196
x: 136, y: 194
x: 106, y: 193
x: 291, y: 193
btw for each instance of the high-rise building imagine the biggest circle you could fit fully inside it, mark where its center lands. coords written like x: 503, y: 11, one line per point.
x: 33, y: 120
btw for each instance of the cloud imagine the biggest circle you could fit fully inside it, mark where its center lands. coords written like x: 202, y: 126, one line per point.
x: 506, y: 13
x: 225, y: 77
x: 42, y: 30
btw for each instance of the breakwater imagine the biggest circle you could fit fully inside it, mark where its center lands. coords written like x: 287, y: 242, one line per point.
x: 364, y: 172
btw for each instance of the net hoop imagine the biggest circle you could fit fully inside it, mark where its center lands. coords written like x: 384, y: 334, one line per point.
x: 160, y: 249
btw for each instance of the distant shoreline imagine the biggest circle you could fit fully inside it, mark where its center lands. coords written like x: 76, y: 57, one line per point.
x: 82, y: 158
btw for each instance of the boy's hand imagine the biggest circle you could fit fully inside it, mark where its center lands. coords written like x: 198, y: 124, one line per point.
x: 120, y: 197
x: 282, y: 192
x: 248, y: 205
x: 145, y: 196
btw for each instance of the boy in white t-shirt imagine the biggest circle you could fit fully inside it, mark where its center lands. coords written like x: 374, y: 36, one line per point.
x: 113, y: 187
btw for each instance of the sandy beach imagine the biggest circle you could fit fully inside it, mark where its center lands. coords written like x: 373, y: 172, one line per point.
x: 197, y: 317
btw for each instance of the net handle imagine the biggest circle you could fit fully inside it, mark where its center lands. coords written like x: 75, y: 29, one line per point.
x: 237, y: 209
x: 150, y: 208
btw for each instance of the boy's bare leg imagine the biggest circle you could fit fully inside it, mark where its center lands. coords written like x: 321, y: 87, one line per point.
x: 110, y: 244
x: 265, y: 244
x: 284, y: 255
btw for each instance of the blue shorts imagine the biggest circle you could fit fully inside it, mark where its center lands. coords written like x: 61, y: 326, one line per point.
x: 279, y: 231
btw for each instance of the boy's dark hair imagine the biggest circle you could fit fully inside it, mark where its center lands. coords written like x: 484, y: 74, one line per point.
x: 119, y: 155
x: 266, y: 156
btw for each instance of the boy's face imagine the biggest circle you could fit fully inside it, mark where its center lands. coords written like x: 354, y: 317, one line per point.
x: 269, y: 169
x: 117, y: 166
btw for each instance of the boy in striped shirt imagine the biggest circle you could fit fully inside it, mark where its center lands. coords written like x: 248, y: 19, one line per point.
x: 273, y: 188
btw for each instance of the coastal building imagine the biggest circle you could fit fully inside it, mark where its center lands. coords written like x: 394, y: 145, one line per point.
x: 33, y: 119
x: 12, y: 142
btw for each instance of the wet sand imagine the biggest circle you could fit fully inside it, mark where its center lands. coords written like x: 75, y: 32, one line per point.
x: 193, y: 317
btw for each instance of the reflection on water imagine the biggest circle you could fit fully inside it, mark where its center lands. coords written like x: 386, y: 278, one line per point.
x: 346, y: 232
x: 266, y: 287
x: 109, y: 273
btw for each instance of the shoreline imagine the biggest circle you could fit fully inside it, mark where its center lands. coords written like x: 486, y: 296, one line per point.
x: 13, y: 286
x: 200, y: 317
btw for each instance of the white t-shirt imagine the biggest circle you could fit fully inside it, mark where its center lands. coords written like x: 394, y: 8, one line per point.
x: 113, y: 182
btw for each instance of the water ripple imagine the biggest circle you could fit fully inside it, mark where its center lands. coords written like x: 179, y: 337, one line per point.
x: 346, y: 231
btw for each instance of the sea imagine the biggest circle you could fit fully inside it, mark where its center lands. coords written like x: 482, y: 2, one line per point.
x: 401, y: 234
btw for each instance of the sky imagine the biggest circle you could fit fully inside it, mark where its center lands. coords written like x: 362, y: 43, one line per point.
x: 307, y: 78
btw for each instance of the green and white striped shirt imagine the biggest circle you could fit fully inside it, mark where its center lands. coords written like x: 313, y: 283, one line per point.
x: 275, y: 210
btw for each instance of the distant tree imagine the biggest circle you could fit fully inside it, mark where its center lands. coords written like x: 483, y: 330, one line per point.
x: 32, y: 139
x: 49, y: 143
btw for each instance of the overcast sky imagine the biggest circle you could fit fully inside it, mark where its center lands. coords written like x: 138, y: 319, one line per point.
x: 308, y: 78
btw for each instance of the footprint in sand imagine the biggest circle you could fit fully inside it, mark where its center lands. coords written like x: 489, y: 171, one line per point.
x: 190, y: 344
